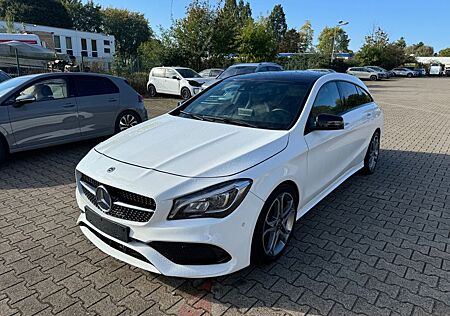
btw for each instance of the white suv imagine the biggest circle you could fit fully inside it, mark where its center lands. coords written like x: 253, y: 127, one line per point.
x: 181, y: 81
x: 364, y: 73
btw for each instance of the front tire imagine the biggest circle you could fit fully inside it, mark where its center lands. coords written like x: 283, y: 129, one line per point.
x: 275, y: 225
x: 373, y: 78
x: 126, y: 120
x: 372, y: 154
x: 409, y: 75
x: 185, y: 93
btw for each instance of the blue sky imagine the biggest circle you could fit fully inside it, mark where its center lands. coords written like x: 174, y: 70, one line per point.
x: 427, y: 21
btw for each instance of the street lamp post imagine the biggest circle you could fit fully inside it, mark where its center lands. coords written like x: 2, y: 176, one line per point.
x: 340, y: 23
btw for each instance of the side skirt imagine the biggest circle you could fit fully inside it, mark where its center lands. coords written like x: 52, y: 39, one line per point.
x: 328, y: 190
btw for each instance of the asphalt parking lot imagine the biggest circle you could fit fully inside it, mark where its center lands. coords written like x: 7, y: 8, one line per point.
x: 378, y: 245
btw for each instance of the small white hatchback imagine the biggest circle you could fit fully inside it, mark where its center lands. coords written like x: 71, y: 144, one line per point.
x: 219, y: 182
x: 180, y: 81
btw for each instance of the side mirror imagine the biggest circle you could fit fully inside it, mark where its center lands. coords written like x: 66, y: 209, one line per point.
x: 24, y: 99
x: 176, y: 77
x: 328, y: 122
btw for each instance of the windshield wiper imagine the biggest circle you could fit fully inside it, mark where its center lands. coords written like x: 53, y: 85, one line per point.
x: 219, y: 119
x: 232, y: 121
x: 194, y: 116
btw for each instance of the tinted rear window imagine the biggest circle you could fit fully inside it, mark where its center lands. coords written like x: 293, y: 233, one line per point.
x: 93, y: 85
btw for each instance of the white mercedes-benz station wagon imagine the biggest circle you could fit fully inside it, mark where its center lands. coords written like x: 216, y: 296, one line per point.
x: 219, y: 182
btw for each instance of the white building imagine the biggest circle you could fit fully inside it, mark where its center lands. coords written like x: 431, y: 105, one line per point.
x: 86, y: 46
x: 434, y: 60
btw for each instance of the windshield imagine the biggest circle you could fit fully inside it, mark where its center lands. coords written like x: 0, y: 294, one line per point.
x: 10, y: 84
x: 187, y: 73
x: 266, y: 104
x: 238, y: 70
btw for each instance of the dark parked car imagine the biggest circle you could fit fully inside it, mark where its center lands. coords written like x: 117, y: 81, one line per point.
x: 50, y: 109
x: 242, y: 69
x: 4, y: 76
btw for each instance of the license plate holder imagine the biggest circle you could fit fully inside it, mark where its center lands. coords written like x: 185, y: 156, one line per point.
x: 118, y: 231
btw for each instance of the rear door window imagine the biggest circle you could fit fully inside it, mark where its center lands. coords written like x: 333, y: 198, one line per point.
x: 350, y: 95
x: 93, y: 85
x: 364, y: 96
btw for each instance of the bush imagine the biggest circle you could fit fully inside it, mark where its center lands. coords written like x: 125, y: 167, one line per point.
x: 138, y: 81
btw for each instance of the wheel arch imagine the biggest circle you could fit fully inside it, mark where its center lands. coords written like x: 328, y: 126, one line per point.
x: 4, y: 142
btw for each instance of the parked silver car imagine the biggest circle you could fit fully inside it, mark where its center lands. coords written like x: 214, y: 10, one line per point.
x: 324, y: 70
x: 385, y: 74
x: 365, y: 73
x: 211, y: 73
x: 405, y: 72
x: 49, y: 109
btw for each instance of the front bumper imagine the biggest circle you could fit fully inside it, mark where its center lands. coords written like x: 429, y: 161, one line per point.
x: 233, y: 234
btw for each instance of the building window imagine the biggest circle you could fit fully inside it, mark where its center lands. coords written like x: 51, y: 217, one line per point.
x: 94, y: 48
x: 69, y: 49
x: 107, y: 50
x: 106, y: 43
x: 57, y: 41
x: 84, y: 51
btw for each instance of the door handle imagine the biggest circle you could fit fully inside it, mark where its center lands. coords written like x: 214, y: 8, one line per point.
x: 69, y: 105
x: 112, y: 100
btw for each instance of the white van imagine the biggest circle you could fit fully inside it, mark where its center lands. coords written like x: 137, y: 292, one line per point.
x: 436, y: 70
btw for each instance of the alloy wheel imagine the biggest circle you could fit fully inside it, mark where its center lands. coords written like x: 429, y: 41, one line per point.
x: 374, y: 152
x: 278, y: 224
x: 127, y: 121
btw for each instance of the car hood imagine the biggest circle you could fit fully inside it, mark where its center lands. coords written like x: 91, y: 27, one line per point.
x: 193, y: 148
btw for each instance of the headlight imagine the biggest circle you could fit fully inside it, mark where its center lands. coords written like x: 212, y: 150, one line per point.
x: 217, y: 201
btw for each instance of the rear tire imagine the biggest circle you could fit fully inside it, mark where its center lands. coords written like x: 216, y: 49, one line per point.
x: 126, y: 120
x: 152, y: 91
x: 3, y: 151
x: 372, y: 154
x: 275, y: 225
x: 185, y: 94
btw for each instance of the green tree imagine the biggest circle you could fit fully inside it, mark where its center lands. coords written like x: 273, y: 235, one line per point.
x: 401, y: 42
x: 341, y: 40
x: 444, y: 52
x: 244, y: 12
x: 42, y: 12
x: 290, y: 42
x: 85, y: 17
x: 379, y: 51
x: 256, y: 42
x: 130, y: 30
x: 151, y: 54
x: 420, y: 49
x: 277, y: 22
x: 226, y: 28
x: 306, y: 35
x: 194, y: 33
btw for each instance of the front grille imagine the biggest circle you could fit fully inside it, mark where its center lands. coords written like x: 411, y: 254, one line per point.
x: 126, y: 205
x: 124, y: 249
